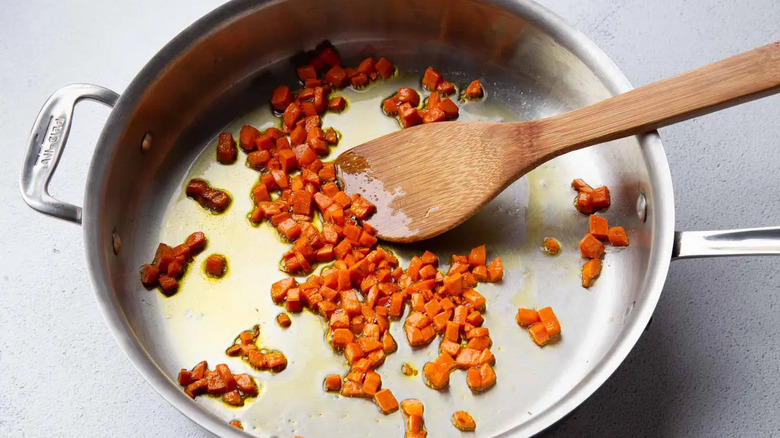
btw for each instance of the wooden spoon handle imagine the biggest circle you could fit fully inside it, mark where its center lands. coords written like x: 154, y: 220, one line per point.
x: 734, y: 80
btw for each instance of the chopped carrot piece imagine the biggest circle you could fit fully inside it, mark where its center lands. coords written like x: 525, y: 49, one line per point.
x: 598, y: 226
x: 436, y: 376
x: 478, y: 256
x: 581, y: 186
x: 445, y: 88
x: 474, y: 90
x: 408, y: 95
x: 408, y: 115
x: 371, y: 383
x: 431, y: 79
x: 495, y: 270
x: 550, y: 321
x: 584, y: 203
x: 306, y: 72
x: 600, y: 197
x: 449, y: 108
x: 590, y: 247
x: 333, y: 383
x: 590, y: 271
x: 226, y: 148
x: 281, y: 98
x: 551, y: 246
x: 385, y: 68
x: 527, y: 317
x: 351, y: 389
x: 386, y: 401
x: 390, y: 106
x: 539, y: 334
x: 413, y: 407
x: 337, y: 104
x: 336, y: 76
x: 215, y: 265
x: 617, y: 236
x: 290, y: 229
x: 247, y: 137
x: 464, y: 421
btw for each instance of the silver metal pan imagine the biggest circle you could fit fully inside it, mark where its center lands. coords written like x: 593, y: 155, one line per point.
x: 218, y: 74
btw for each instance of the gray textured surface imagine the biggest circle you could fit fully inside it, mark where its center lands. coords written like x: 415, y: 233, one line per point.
x: 709, y: 365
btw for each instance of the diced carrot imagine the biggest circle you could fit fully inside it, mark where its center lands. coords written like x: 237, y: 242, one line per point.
x: 385, y: 68
x: 390, y: 106
x: 290, y: 229
x: 276, y: 361
x: 467, y: 357
x: 550, y: 321
x: 337, y: 104
x: 590, y: 271
x: 408, y: 115
x: 477, y: 256
x: 581, y: 186
x: 359, y: 80
x: 408, y: 95
x: 329, y: 56
x: 539, y: 334
x: 386, y: 401
x: 367, y: 66
x: 431, y: 79
x: 475, y: 318
x: 293, y: 300
x: 388, y: 343
x: 292, y: 114
x: 280, y: 178
x: 372, y: 383
x: 475, y: 299
x: 341, y: 337
x: 527, y: 317
x: 449, y: 108
x: 283, y: 320
x: 436, y: 376
x: 149, y: 275
x: 617, y: 236
x: 584, y: 203
x: 168, y: 284
x: 332, y: 383
x: 474, y: 90
x: 281, y: 98
x: 336, y: 76
x: 215, y: 265
x: 590, y: 247
x: 551, y: 246
x: 435, y: 115
x: 247, y: 137
x: 353, y: 352
x: 306, y: 72
x: 352, y: 389
x: 196, y: 388
x: 600, y: 197
x: 464, y: 421
x: 598, y: 226
x: 495, y: 270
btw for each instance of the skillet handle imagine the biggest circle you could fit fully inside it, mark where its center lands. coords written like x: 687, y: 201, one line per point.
x: 749, y: 241
x: 47, y: 140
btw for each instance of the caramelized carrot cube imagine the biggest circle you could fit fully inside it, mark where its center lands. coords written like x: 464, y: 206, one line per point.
x: 196, y: 388
x: 436, y: 376
x: 336, y: 76
x: 371, y: 383
x: 463, y: 421
x: 289, y: 229
x: 550, y: 321
x: 215, y: 265
x: 386, y: 400
x: 281, y: 98
x: 246, y: 384
x: 337, y: 104
x: 431, y: 79
x: 590, y: 247
x: 149, y: 275
x: 408, y: 95
x: 453, y: 284
x: 283, y: 320
x: 600, y: 197
x: 526, y: 317
x: 168, y: 284
x: 495, y: 270
x: 539, y: 334
x: 408, y: 115
x: 390, y: 106
x: 617, y: 236
x: 333, y: 383
x: 276, y: 361
x: 584, y: 203
x: 247, y: 137
x: 551, y: 246
x: 581, y: 186
x: 598, y: 226
x: 292, y: 114
x: 590, y: 271
x: 306, y: 72
x: 353, y: 353
x: 385, y: 68
x: 227, y: 152
x: 445, y: 88
x: 474, y: 90
x: 280, y: 288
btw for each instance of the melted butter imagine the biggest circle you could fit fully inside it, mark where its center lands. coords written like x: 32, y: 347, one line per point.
x: 206, y: 314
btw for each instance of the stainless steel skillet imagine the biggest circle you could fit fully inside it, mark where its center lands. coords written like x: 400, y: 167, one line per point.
x: 214, y: 72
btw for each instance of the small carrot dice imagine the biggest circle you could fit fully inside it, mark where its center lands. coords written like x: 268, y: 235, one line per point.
x: 590, y: 271
x: 598, y: 226
x: 283, y: 320
x: 550, y: 321
x: 431, y: 79
x: 474, y: 90
x: 495, y: 270
x: 539, y: 334
x: 215, y: 265
x: 600, y: 197
x: 527, y: 317
x: 386, y: 401
x: 551, y: 246
x: 385, y: 68
x: 464, y: 421
x: 332, y: 383
x: 617, y: 236
x: 590, y: 247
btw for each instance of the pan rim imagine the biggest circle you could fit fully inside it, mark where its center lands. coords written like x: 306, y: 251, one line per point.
x: 567, y: 36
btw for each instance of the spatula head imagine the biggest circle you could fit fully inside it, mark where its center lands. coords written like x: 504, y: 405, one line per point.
x: 429, y: 178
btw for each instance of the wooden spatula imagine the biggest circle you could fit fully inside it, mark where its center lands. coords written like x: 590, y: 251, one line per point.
x: 428, y: 179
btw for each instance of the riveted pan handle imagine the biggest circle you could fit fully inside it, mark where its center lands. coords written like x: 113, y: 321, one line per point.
x: 749, y: 241
x: 47, y: 140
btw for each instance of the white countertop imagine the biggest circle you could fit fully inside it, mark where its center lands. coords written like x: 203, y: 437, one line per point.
x: 709, y: 365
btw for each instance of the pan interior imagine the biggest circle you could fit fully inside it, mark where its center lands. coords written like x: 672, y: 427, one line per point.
x: 223, y: 79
